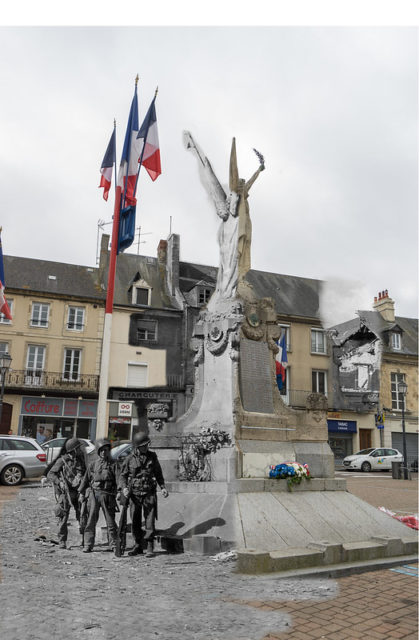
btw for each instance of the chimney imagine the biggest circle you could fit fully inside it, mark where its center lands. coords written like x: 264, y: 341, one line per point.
x: 162, y: 252
x: 173, y: 252
x: 385, y: 306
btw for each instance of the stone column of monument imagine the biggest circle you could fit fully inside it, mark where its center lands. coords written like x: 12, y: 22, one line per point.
x: 235, y: 343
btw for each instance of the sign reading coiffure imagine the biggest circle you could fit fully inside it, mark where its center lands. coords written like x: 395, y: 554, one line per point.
x: 58, y: 407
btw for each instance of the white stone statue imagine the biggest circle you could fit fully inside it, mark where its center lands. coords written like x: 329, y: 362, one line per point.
x: 235, y: 231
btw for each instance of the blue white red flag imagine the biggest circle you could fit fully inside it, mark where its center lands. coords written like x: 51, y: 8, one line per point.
x: 4, y: 307
x: 281, y: 361
x: 127, y: 176
x: 149, y: 138
x: 107, y: 166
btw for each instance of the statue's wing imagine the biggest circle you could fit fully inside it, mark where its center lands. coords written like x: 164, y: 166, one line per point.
x: 212, y: 184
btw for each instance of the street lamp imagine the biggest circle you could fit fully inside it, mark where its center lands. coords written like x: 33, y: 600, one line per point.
x: 402, y: 389
x: 5, y: 362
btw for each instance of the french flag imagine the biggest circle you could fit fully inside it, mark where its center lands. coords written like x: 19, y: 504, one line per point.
x: 107, y: 166
x: 127, y: 176
x: 281, y: 362
x: 149, y: 140
x: 4, y: 307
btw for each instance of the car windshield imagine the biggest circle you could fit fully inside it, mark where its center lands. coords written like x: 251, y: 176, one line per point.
x: 364, y: 452
x: 117, y: 450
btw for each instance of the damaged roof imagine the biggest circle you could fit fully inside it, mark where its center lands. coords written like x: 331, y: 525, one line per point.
x: 375, y: 323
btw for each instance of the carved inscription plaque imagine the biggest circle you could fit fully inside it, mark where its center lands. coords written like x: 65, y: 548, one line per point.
x: 255, y: 376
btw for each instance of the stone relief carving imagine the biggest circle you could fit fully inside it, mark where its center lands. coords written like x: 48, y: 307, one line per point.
x: 260, y: 322
x: 157, y: 415
x: 316, y: 405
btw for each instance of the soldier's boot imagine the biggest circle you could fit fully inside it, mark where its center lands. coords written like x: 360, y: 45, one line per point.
x: 87, y: 549
x: 62, y: 544
x: 150, y: 550
x: 136, y: 550
x: 116, y: 548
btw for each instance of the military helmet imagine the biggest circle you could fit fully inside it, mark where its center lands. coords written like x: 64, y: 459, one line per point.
x: 72, y: 444
x: 102, y: 442
x: 140, y: 439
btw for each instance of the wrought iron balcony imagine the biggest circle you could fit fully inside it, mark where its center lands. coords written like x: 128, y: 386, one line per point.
x: 31, y: 380
x: 296, y: 397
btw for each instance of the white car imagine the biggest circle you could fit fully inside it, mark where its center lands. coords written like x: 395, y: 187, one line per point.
x: 53, y: 447
x: 20, y: 458
x: 372, y: 459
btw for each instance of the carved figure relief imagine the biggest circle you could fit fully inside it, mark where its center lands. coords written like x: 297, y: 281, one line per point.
x: 157, y: 415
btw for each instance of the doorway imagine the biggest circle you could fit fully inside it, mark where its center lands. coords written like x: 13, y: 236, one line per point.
x: 365, y: 439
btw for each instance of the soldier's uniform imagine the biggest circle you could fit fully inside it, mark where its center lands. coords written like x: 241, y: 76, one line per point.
x: 66, y: 474
x: 100, y: 486
x: 140, y: 474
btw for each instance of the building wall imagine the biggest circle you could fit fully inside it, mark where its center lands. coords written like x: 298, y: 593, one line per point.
x: 300, y: 358
x: 122, y: 353
x: 56, y: 337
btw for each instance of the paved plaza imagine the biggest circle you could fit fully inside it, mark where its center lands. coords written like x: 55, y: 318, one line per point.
x: 47, y: 592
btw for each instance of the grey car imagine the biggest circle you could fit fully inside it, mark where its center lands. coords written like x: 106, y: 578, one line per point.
x: 20, y: 458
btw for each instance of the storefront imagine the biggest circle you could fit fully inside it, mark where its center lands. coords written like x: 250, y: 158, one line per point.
x: 341, y: 438
x: 129, y: 410
x: 57, y: 417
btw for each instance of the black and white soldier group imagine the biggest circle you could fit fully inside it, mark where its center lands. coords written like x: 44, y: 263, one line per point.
x: 91, y: 486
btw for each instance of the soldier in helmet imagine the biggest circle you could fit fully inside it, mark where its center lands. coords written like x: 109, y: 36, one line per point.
x: 99, y: 485
x: 140, y: 475
x: 66, y: 475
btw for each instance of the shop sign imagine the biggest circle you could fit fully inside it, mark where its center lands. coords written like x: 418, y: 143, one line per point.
x: 333, y: 414
x: 152, y: 395
x: 87, y: 408
x: 125, y: 409
x: 36, y: 406
x: 341, y: 426
x: 70, y: 407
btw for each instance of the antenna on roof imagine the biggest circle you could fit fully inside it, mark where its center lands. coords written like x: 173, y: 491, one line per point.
x: 147, y: 233
x: 170, y: 226
x: 100, y: 224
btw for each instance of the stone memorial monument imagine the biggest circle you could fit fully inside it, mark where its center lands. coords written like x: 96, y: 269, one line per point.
x: 236, y: 400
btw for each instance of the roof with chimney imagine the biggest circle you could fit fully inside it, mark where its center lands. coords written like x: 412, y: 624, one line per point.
x: 51, y: 278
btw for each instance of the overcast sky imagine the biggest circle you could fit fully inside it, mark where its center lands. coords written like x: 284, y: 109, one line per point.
x: 334, y: 110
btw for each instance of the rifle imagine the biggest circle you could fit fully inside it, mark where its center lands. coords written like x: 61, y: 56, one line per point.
x: 84, y: 514
x: 122, y: 526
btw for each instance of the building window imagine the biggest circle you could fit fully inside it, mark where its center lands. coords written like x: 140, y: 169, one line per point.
x: 319, y: 382
x: 396, y: 341
x: 146, y: 330
x: 72, y: 359
x: 318, y: 341
x: 204, y: 295
x: 285, y: 328
x: 40, y: 314
x: 140, y: 295
x: 34, y: 365
x: 4, y: 348
x: 137, y: 375
x: 75, y: 320
x: 396, y: 397
x: 3, y: 318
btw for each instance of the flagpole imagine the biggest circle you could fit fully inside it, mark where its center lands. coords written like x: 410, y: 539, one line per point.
x: 102, y: 423
x: 140, y: 162
x: 114, y: 155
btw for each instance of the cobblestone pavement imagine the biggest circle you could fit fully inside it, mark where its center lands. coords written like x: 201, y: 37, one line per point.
x: 46, y: 592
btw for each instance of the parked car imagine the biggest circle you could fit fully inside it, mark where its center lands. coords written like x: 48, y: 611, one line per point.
x: 20, y: 457
x: 53, y: 447
x: 372, y: 459
x: 119, y: 452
